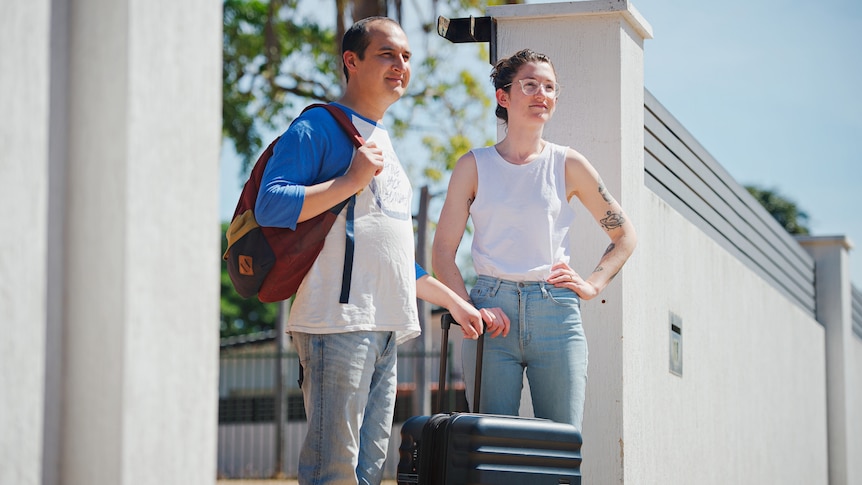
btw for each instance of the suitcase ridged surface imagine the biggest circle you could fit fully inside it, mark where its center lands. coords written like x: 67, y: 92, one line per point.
x: 513, y: 450
x: 484, y: 449
x: 467, y: 448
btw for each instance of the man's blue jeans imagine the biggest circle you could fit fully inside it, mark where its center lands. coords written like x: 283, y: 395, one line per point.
x: 546, y: 338
x: 349, y: 389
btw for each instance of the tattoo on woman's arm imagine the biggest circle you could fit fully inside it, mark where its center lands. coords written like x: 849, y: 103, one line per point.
x: 604, y: 193
x: 601, y: 268
x: 607, y: 251
x: 614, y: 220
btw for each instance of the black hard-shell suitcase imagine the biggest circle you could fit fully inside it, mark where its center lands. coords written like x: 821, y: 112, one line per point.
x: 472, y: 448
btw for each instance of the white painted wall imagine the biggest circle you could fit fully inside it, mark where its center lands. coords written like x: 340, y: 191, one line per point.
x: 24, y: 100
x: 750, y: 406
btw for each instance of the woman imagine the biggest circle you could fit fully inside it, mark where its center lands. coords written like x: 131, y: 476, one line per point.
x: 518, y: 194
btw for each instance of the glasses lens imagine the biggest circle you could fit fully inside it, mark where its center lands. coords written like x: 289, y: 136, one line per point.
x: 530, y: 87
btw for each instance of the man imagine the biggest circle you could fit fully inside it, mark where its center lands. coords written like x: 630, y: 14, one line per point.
x: 348, y: 351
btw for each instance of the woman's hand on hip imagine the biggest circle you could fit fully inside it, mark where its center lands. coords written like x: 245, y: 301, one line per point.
x: 563, y: 276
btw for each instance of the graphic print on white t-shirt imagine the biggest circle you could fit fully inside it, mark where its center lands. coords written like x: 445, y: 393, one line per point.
x: 391, y: 188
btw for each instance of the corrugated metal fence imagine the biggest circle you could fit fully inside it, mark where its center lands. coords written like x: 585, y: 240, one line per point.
x: 248, y: 431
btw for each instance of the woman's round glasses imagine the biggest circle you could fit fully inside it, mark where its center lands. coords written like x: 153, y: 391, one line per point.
x: 530, y: 87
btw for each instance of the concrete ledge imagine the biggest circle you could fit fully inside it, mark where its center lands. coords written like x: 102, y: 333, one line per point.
x: 584, y: 7
x: 812, y: 241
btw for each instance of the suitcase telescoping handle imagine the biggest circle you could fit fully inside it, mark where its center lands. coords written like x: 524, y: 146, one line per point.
x: 446, y: 321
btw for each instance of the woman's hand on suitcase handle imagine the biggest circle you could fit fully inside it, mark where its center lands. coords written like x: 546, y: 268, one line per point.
x: 496, y: 321
x: 476, y: 322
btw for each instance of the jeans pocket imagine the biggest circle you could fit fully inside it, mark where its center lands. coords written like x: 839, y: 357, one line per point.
x: 565, y: 297
x: 479, y: 294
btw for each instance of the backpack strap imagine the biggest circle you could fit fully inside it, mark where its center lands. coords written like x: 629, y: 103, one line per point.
x: 357, y: 139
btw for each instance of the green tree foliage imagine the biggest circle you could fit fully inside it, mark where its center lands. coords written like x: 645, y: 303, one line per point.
x: 271, y: 61
x: 276, y: 61
x: 782, y: 209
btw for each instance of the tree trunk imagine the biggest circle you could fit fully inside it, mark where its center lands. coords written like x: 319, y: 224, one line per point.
x: 368, y: 8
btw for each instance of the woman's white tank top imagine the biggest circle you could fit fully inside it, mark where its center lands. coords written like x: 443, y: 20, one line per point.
x: 520, y: 216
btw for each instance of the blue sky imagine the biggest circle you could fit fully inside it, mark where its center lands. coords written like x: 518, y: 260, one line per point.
x: 770, y: 89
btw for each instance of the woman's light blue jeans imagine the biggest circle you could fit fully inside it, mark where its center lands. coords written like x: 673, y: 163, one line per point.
x: 349, y: 384
x: 546, y: 339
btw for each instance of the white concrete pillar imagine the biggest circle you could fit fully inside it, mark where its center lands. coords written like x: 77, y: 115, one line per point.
x: 109, y: 267
x: 142, y: 247
x: 24, y: 101
x: 833, y: 300
x: 597, y: 50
